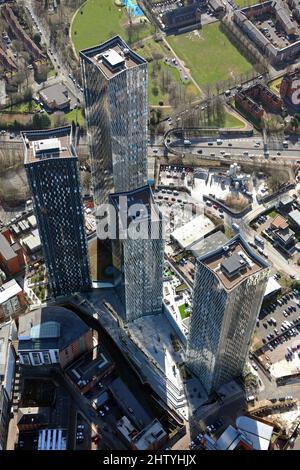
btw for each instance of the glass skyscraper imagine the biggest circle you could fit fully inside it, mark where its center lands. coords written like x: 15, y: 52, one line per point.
x: 229, y: 287
x: 116, y: 105
x: 52, y: 171
x: 138, y: 252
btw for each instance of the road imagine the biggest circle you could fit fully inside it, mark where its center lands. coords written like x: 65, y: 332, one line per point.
x: 57, y: 61
x: 247, y: 148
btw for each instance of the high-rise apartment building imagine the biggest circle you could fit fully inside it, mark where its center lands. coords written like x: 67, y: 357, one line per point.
x: 115, y: 90
x: 138, y: 252
x: 228, y: 292
x: 52, y: 171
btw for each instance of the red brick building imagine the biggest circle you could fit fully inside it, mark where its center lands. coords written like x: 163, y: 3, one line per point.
x: 12, y: 259
x: 52, y: 335
x: 19, y: 33
x: 290, y: 88
x: 258, y: 99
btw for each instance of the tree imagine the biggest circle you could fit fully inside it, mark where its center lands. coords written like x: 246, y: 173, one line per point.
x: 37, y: 39
x: 41, y: 121
x: 155, y: 90
x: 41, y: 73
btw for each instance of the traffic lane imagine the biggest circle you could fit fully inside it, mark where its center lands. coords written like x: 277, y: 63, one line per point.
x: 238, y: 150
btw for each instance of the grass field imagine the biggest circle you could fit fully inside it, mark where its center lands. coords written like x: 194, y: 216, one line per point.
x: 98, y: 20
x: 246, y: 3
x: 183, y: 313
x: 51, y: 73
x: 151, y: 48
x: 209, y: 55
x: 230, y: 121
x: 76, y: 116
x: 24, y: 107
x: 275, y: 85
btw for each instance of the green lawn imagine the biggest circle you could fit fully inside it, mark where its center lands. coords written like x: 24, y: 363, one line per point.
x: 230, y: 121
x: 246, y: 3
x: 51, y: 73
x: 168, y: 273
x: 275, y: 85
x: 155, y: 70
x: 98, y: 20
x: 272, y: 214
x: 183, y: 313
x: 209, y: 55
x: 23, y: 107
x: 75, y: 115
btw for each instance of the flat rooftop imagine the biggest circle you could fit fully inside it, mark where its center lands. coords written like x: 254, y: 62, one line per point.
x: 233, y: 262
x: 52, y: 327
x: 113, y: 57
x: 9, y: 290
x: 141, y: 203
x: 51, y: 143
x: 193, y: 231
x: 209, y: 243
x: 58, y: 93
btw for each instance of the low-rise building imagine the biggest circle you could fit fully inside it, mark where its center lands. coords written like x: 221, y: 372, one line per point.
x: 12, y: 299
x: 193, y: 231
x: 285, y: 238
x: 249, y: 434
x: 52, y: 335
x: 12, y: 259
x: 129, y: 403
x: 279, y: 222
x: 152, y: 437
x: 248, y: 16
x: 20, y: 34
x: 90, y: 368
x: 32, y: 242
x: 257, y: 99
x: 294, y: 218
x: 181, y: 18
x: 8, y: 334
x: 249, y: 106
x: 290, y: 88
x: 56, y: 97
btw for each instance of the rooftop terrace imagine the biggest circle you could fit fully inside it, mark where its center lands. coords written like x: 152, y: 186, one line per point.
x: 52, y: 143
x: 233, y: 262
x: 112, y: 57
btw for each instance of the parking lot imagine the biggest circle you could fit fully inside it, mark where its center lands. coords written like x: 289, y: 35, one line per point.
x: 278, y: 339
x: 275, y: 34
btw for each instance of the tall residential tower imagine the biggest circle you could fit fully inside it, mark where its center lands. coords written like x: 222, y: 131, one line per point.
x: 115, y: 90
x: 228, y: 292
x: 52, y: 171
x: 138, y: 252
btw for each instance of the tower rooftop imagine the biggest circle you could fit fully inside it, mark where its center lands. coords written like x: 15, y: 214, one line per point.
x: 233, y: 262
x: 112, y: 57
x: 45, y: 144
